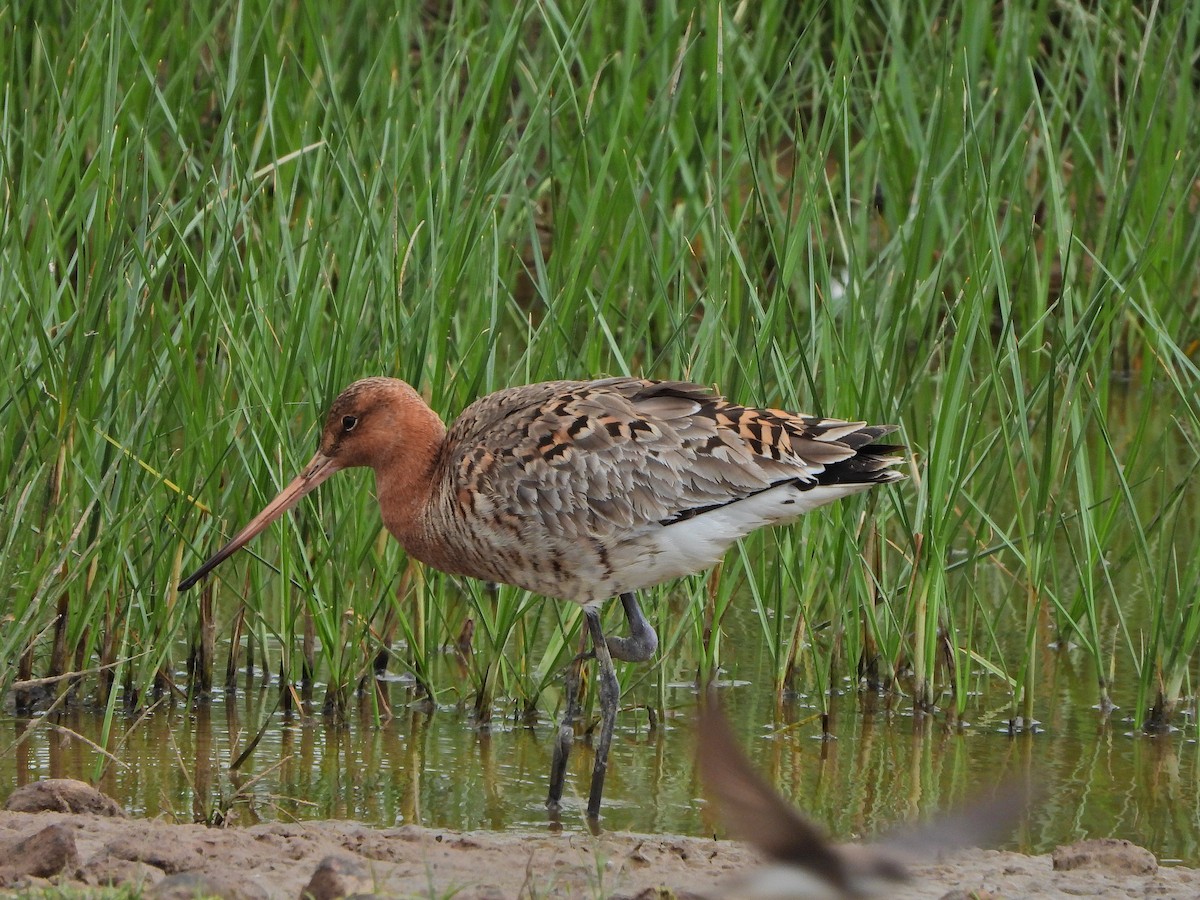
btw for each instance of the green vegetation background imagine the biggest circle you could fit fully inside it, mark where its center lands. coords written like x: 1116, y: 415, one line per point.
x: 977, y: 221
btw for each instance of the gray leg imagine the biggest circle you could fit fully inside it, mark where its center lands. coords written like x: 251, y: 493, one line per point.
x: 566, y: 734
x: 642, y: 641
x: 610, y: 695
x: 638, y: 647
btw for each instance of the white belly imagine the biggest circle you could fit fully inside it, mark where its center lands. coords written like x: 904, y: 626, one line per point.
x: 698, y: 543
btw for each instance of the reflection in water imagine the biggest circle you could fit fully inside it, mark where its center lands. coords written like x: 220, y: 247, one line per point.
x: 442, y: 770
x: 207, y: 778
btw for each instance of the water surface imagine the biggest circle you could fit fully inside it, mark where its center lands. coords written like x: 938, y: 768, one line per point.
x: 440, y: 768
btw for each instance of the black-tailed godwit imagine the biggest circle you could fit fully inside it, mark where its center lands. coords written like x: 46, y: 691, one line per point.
x: 584, y: 490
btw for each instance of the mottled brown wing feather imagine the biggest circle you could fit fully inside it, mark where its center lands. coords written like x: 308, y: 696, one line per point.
x: 601, y: 457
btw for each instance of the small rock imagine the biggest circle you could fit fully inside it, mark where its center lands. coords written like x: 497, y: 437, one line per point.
x: 190, y: 885
x: 171, y: 858
x: 1110, y: 854
x: 62, y: 795
x: 106, y: 870
x: 12, y: 880
x: 336, y: 877
x: 486, y: 892
x: 42, y: 854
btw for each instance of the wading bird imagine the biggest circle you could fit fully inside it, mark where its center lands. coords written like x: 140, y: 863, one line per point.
x: 583, y: 491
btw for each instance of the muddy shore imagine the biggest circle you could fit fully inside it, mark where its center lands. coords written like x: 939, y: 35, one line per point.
x: 100, y: 846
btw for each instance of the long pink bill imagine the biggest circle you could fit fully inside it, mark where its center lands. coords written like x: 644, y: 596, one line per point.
x: 318, y: 469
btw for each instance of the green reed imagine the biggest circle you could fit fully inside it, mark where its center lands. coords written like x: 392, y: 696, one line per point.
x: 974, y: 223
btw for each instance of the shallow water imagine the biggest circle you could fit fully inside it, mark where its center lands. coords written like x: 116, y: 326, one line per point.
x: 1095, y: 775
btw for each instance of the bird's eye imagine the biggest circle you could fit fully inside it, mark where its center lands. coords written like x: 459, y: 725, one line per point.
x: 348, y: 422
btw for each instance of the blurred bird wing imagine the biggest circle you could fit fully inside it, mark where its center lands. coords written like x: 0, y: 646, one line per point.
x: 753, y: 811
x: 979, y: 821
